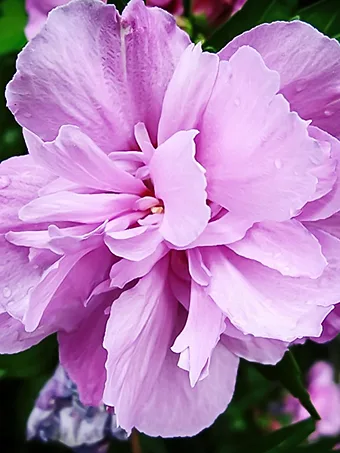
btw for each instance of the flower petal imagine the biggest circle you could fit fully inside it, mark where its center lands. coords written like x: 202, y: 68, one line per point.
x: 254, y: 349
x: 331, y: 326
x: 188, y: 92
x: 137, y: 338
x: 200, y: 335
x: 20, y: 181
x: 329, y: 204
x: 257, y: 154
x: 37, y: 11
x: 134, y: 244
x: 75, y: 207
x: 174, y: 408
x: 309, y: 66
x: 287, y: 247
x: 180, y: 183
x: 82, y: 353
x: 198, y: 270
x: 73, y: 278
x: 14, y: 338
x: 17, y: 278
x: 109, y: 76
x: 284, y: 308
x: 124, y: 271
x: 74, y: 156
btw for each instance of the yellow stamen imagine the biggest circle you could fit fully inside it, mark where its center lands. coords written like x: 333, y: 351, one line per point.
x: 157, y: 209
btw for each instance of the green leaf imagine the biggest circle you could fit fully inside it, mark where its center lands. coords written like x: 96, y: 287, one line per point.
x: 324, y: 15
x: 36, y: 361
x: 12, y: 23
x: 280, y: 441
x: 325, y: 445
x: 254, y: 12
x: 288, y: 373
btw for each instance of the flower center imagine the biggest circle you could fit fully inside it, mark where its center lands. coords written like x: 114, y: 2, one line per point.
x: 157, y: 209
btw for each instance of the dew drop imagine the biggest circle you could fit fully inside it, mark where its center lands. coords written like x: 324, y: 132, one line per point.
x: 4, y: 182
x: 27, y: 115
x: 278, y: 163
x: 6, y: 292
x: 237, y: 102
x: 328, y: 112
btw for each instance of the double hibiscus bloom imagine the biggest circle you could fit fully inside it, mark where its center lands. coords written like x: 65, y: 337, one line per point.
x: 177, y: 209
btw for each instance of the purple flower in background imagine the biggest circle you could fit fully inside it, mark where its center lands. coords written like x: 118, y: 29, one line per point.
x: 58, y: 415
x: 325, y: 395
x: 176, y: 210
x: 37, y: 11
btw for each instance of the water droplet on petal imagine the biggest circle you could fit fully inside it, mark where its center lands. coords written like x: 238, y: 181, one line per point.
x: 278, y: 163
x: 237, y: 102
x: 27, y: 115
x: 4, y: 182
x: 328, y: 112
x: 7, y: 292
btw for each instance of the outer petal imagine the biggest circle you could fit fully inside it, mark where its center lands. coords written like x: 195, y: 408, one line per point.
x: 37, y: 11
x: 329, y: 204
x: 200, y: 335
x: 257, y: 154
x: 261, y: 302
x: 331, y: 326
x: 309, y: 66
x: 74, y: 156
x: 82, y: 353
x: 75, y: 207
x: 112, y: 74
x: 188, y: 92
x: 17, y: 278
x: 72, y: 278
x: 285, y: 246
x: 180, y: 183
x: 20, y: 180
x: 14, y: 338
x: 253, y: 349
x: 176, y: 409
x: 137, y: 339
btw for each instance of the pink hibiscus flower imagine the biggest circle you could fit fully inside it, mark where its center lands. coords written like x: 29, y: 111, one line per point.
x: 325, y: 395
x: 166, y: 221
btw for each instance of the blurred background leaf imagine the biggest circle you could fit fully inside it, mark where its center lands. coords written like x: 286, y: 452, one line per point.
x: 288, y: 373
x: 253, y: 13
x: 12, y: 23
x: 324, y: 15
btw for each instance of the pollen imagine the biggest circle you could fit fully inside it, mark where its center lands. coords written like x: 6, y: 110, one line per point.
x: 157, y: 209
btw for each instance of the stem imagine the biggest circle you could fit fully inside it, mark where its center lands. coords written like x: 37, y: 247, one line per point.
x: 135, y: 442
